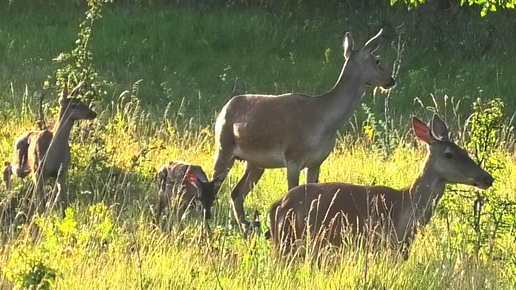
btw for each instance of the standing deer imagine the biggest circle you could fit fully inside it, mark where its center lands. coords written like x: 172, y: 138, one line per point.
x: 184, y: 184
x: 328, y: 210
x: 46, y: 154
x: 292, y: 130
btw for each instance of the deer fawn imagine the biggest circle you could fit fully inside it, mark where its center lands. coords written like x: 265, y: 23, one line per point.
x: 292, y: 130
x: 184, y: 184
x: 46, y: 154
x: 328, y: 210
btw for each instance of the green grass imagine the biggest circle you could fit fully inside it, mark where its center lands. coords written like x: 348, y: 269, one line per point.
x: 180, y: 53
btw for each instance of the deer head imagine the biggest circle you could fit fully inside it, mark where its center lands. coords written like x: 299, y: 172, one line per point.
x: 72, y: 108
x: 205, y: 191
x: 366, y: 63
x: 450, y: 162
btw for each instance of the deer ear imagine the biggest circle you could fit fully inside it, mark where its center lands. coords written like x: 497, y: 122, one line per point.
x: 373, y: 43
x: 422, y: 131
x: 348, y: 45
x: 439, y: 129
x: 64, y: 94
x: 192, y: 178
x: 163, y: 172
x: 76, y: 90
x: 65, y: 91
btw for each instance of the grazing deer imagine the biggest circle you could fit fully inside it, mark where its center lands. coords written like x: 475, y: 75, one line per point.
x: 292, y: 130
x: 46, y: 154
x: 184, y: 184
x: 328, y: 210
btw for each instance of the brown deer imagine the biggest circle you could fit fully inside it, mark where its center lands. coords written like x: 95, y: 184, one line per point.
x: 327, y: 211
x: 184, y: 184
x: 46, y: 154
x: 292, y: 130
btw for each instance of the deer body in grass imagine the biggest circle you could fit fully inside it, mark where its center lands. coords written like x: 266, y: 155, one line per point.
x: 46, y: 154
x: 181, y: 185
x: 330, y: 210
x: 292, y: 130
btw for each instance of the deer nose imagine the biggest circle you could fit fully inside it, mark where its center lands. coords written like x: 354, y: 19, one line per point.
x: 483, y: 182
x: 92, y: 115
x: 391, y: 84
x: 488, y: 180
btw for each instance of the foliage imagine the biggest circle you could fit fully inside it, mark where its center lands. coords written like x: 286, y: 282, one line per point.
x: 374, y: 130
x: 27, y: 270
x: 487, y: 5
x: 76, y: 66
x: 484, y: 219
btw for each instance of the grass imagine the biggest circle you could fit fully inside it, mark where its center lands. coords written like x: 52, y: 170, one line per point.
x: 172, y: 68
x: 181, y: 54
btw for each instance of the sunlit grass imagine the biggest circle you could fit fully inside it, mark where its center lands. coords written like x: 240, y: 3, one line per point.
x: 138, y: 255
x: 180, y: 65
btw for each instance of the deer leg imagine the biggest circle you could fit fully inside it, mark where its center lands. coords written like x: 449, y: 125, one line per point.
x: 163, y: 201
x: 185, y: 201
x: 312, y: 174
x: 39, y: 197
x: 293, y: 175
x: 251, y: 176
x: 224, y: 160
x: 7, y: 175
x: 62, y: 194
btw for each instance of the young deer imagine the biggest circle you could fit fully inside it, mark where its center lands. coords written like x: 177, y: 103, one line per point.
x: 184, y: 184
x: 328, y: 210
x: 46, y: 154
x: 295, y: 131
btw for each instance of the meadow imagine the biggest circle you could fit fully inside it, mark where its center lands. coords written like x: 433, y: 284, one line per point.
x: 170, y: 67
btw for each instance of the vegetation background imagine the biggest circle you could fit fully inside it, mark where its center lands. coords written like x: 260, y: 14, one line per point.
x: 159, y: 71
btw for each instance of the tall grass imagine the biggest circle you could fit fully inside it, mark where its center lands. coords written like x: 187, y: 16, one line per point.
x: 116, y: 244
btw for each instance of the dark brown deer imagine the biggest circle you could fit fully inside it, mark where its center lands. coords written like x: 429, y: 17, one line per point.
x: 181, y: 185
x: 295, y: 131
x: 46, y: 154
x: 326, y: 211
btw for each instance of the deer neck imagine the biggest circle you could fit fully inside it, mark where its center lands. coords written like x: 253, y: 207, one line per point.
x: 425, y: 193
x: 341, y: 101
x: 418, y: 203
x: 61, y: 130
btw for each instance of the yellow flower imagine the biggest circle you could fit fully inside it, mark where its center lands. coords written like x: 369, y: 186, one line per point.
x: 369, y: 131
x: 206, y: 132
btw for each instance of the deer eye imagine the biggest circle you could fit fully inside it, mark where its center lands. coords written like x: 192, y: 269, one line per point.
x: 448, y: 154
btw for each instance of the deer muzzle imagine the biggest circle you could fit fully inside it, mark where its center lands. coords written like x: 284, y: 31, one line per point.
x: 483, y: 182
x: 92, y: 115
x: 391, y: 84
